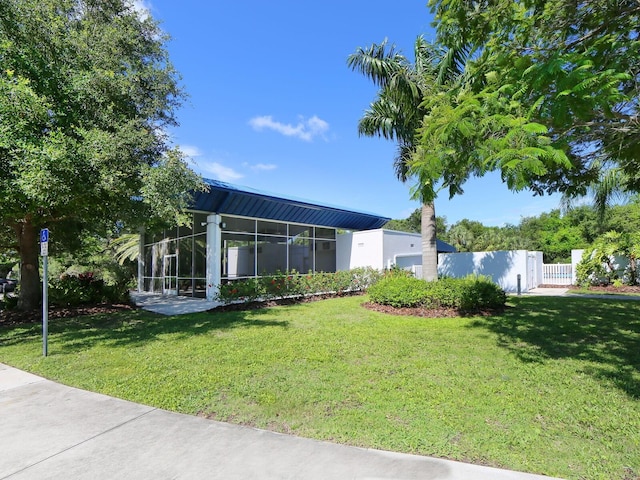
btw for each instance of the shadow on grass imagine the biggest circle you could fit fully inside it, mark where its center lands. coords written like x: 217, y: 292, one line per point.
x: 605, y: 334
x: 133, y: 328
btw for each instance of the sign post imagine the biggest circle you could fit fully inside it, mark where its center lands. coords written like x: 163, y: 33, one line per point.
x: 44, y: 252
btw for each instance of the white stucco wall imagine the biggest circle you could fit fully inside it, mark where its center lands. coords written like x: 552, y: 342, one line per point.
x: 360, y: 249
x: 382, y: 248
x: 378, y: 249
x: 402, y: 249
x: 502, y: 266
x: 576, y: 257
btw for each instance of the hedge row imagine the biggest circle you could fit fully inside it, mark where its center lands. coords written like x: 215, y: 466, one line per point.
x: 294, y: 284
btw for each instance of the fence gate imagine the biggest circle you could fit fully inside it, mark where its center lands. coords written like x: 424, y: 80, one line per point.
x: 557, y: 274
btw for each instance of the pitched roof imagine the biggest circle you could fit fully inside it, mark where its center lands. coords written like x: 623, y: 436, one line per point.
x: 227, y: 199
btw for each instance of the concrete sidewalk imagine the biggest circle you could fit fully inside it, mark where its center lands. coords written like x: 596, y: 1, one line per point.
x: 171, y: 304
x: 547, y: 292
x: 50, y: 431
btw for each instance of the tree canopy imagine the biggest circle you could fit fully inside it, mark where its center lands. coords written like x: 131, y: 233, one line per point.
x: 551, y: 97
x: 86, y: 92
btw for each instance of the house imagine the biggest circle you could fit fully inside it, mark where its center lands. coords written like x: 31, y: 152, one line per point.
x: 239, y: 233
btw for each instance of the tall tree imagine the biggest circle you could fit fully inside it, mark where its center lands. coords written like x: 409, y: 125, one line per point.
x: 396, y: 114
x: 86, y: 89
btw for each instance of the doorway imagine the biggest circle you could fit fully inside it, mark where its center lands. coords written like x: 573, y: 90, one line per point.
x: 170, y: 274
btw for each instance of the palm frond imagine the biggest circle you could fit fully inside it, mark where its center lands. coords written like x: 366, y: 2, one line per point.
x: 126, y: 247
x: 378, y: 62
x: 402, y: 161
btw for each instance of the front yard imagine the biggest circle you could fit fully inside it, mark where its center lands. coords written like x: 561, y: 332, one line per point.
x: 550, y: 386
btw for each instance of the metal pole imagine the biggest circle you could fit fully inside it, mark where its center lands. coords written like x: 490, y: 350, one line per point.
x: 45, y: 305
x: 519, y: 284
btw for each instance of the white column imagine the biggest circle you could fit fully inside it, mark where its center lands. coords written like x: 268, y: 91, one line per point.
x: 141, y: 260
x: 214, y: 254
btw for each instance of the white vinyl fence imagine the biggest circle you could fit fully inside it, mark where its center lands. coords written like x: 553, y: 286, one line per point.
x: 557, y: 274
x: 417, y: 271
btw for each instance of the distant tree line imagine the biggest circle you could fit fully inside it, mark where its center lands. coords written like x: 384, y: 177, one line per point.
x: 554, y: 233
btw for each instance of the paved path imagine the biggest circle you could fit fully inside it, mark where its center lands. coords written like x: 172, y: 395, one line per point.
x: 50, y: 431
x: 548, y: 292
x: 171, y: 304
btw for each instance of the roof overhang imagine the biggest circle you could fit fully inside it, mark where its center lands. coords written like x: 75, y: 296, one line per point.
x: 227, y: 199
x: 444, y: 247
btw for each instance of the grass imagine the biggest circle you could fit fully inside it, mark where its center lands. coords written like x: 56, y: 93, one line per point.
x: 551, y: 386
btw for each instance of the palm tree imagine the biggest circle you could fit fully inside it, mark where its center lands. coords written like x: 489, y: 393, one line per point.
x: 461, y: 238
x: 397, y: 113
x: 611, y: 185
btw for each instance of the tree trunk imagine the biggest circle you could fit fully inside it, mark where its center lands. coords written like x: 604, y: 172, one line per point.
x: 633, y: 270
x: 429, y: 245
x: 27, y: 235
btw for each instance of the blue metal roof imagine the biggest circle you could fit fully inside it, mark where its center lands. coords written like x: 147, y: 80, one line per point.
x: 227, y: 199
x: 444, y: 247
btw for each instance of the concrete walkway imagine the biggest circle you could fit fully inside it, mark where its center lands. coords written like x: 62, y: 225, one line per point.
x: 171, y: 304
x: 564, y: 292
x: 50, y: 431
x: 548, y: 292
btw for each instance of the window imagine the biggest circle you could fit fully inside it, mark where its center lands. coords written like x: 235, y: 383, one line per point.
x: 261, y: 247
x: 191, y: 251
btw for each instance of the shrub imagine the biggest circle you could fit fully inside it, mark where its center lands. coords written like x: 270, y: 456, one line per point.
x: 84, y: 288
x: 10, y: 301
x: 613, y: 258
x: 399, y: 291
x: 465, y: 294
x: 479, y: 292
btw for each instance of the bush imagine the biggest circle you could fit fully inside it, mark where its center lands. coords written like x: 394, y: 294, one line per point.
x: 478, y: 292
x: 10, y: 301
x: 464, y: 294
x: 400, y: 291
x: 591, y: 270
x: 84, y: 288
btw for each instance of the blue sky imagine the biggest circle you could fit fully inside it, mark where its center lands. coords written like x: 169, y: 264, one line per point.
x: 273, y: 106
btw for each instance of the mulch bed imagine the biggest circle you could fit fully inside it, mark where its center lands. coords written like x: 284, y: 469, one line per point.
x: 15, y: 317
x: 413, y: 311
x: 613, y: 289
x: 429, y: 312
x: 239, y: 307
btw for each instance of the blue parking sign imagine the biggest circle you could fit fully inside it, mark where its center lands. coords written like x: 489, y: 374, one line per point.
x: 44, y: 235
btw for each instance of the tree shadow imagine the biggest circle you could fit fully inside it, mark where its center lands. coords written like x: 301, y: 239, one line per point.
x: 497, y: 265
x: 134, y: 328
x: 603, y: 333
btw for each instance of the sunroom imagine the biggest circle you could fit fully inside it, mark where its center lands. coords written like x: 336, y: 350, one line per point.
x: 239, y: 233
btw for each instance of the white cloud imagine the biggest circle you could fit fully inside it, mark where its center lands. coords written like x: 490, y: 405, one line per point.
x: 304, y: 130
x: 220, y: 172
x: 143, y: 8
x: 260, y: 167
x: 190, y: 151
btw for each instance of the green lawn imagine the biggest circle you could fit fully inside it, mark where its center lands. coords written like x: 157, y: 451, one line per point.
x: 551, y: 386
